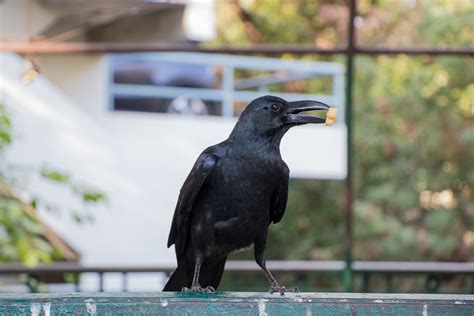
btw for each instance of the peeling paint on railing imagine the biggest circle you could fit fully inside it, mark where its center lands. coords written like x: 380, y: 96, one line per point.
x: 91, y: 307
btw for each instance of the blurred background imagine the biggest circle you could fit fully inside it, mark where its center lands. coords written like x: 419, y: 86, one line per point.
x: 105, y: 105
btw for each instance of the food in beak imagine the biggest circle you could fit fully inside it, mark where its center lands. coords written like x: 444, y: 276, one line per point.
x: 331, y: 116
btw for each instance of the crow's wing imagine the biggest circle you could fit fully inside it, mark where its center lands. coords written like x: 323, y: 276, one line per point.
x: 189, y: 191
x: 279, y: 198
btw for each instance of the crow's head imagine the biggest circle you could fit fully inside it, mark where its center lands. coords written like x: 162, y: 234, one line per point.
x: 273, y: 116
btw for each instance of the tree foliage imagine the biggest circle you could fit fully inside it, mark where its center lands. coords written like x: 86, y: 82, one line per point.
x: 414, y: 129
x: 413, y: 158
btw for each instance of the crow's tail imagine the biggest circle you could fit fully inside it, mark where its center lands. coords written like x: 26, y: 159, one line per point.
x: 210, y: 275
x: 181, y: 277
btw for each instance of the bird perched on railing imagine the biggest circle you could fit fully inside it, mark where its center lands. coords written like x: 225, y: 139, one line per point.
x: 234, y: 191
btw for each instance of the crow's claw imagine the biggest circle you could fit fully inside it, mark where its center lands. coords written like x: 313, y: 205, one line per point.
x: 196, y: 288
x: 275, y: 288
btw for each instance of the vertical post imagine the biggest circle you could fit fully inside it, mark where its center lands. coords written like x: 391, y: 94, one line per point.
x: 366, y: 284
x: 472, y: 284
x: 101, y: 282
x: 349, y: 194
x: 111, y: 84
x: 124, y: 282
x: 77, y: 277
x: 389, y: 283
x: 228, y: 91
x: 32, y: 283
x: 338, y: 88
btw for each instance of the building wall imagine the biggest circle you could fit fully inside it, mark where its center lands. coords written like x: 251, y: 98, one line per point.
x: 83, y: 78
x: 164, y: 25
x: 15, y: 19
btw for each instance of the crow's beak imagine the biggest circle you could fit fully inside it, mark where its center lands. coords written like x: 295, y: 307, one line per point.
x: 295, y: 107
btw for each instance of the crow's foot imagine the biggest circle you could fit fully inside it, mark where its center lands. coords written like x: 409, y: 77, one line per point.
x: 276, y: 288
x: 196, y: 288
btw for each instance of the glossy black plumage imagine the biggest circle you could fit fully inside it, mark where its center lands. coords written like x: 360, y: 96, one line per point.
x: 234, y: 191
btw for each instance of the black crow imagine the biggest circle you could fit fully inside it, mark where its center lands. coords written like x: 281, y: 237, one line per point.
x: 234, y: 191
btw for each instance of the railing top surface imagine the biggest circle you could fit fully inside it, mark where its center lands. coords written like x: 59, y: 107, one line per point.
x: 394, y: 266
x: 235, y: 304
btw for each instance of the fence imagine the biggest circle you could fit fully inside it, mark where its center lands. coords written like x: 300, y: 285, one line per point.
x: 433, y: 272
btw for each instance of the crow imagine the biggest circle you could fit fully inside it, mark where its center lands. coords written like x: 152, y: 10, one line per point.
x: 234, y: 191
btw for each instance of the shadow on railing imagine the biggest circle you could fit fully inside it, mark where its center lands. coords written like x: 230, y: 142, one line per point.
x: 434, y: 272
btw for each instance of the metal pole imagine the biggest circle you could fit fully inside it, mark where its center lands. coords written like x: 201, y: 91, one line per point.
x: 228, y: 92
x: 101, y: 282
x: 124, y: 282
x: 349, y: 195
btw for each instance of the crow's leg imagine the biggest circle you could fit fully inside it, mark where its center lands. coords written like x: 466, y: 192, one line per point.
x: 259, y: 251
x: 195, y: 286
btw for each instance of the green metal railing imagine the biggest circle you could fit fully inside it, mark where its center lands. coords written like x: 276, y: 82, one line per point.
x: 168, y: 303
x: 433, y: 273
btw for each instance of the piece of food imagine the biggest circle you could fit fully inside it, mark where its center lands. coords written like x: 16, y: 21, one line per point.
x: 331, y: 116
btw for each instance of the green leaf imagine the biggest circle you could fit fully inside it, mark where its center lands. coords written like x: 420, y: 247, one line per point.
x: 55, y: 175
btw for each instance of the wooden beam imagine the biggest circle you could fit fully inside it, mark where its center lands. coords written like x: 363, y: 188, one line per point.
x: 49, y: 47
x: 44, y: 47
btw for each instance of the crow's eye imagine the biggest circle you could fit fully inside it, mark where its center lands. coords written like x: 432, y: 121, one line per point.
x: 274, y: 107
